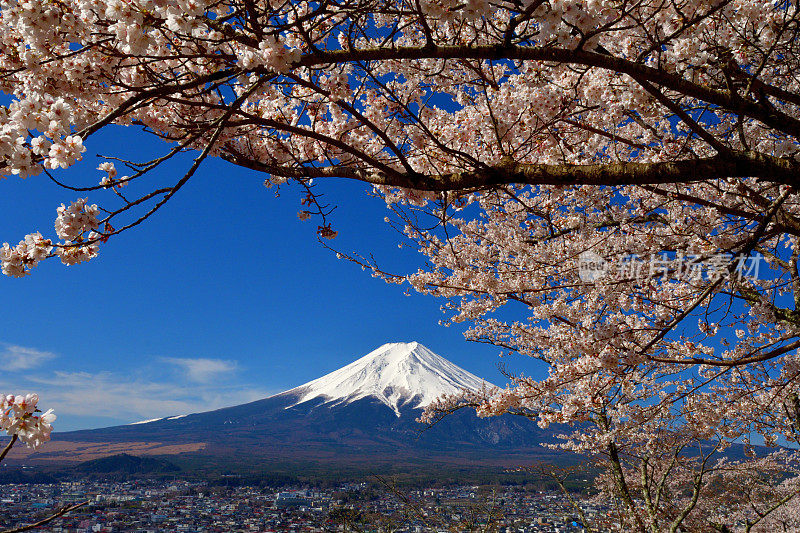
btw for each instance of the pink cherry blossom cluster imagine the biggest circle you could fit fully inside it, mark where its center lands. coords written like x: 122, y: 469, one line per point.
x: 73, y: 221
x: 74, y: 224
x: 271, y: 54
x: 19, y: 416
x: 72, y: 254
x: 17, y: 261
x: 65, y: 153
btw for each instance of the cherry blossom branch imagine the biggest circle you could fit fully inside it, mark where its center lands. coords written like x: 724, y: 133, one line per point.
x: 20, y: 418
x: 697, y: 486
x: 8, y: 447
x: 739, y: 164
x: 762, y: 515
x: 743, y: 251
x: 771, y: 117
x: 410, y: 504
x: 162, y: 90
x: 560, y: 475
x: 758, y: 358
x: 45, y: 521
x: 169, y: 192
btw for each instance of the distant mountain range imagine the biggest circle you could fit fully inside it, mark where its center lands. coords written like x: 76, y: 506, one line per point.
x: 363, y: 414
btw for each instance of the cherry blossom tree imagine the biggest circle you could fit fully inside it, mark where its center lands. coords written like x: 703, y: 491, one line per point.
x: 593, y: 182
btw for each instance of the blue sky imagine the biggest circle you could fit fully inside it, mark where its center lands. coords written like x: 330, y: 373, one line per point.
x: 221, y: 298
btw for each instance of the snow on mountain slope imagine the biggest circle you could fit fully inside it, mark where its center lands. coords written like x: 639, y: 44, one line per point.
x: 395, y: 374
x: 145, y: 421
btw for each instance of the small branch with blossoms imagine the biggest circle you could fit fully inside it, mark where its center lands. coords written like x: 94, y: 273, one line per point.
x: 21, y: 419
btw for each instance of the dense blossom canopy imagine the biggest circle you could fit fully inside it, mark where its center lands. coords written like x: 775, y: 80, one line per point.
x: 517, y: 140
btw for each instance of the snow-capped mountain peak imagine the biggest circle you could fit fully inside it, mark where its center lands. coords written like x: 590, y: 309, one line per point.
x: 397, y: 374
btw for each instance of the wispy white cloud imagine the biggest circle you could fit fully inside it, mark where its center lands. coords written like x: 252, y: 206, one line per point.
x: 123, y: 399
x: 202, y: 370
x: 14, y: 358
x: 109, y: 395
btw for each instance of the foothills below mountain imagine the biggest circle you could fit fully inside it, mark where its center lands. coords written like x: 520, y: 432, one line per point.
x: 359, y: 416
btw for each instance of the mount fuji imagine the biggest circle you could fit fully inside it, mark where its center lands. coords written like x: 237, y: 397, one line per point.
x: 362, y: 413
x: 397, y: 374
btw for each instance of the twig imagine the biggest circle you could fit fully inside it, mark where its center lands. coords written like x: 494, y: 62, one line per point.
x: 8, y: 447
x: 403, y: 498
x: 47, y: 520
